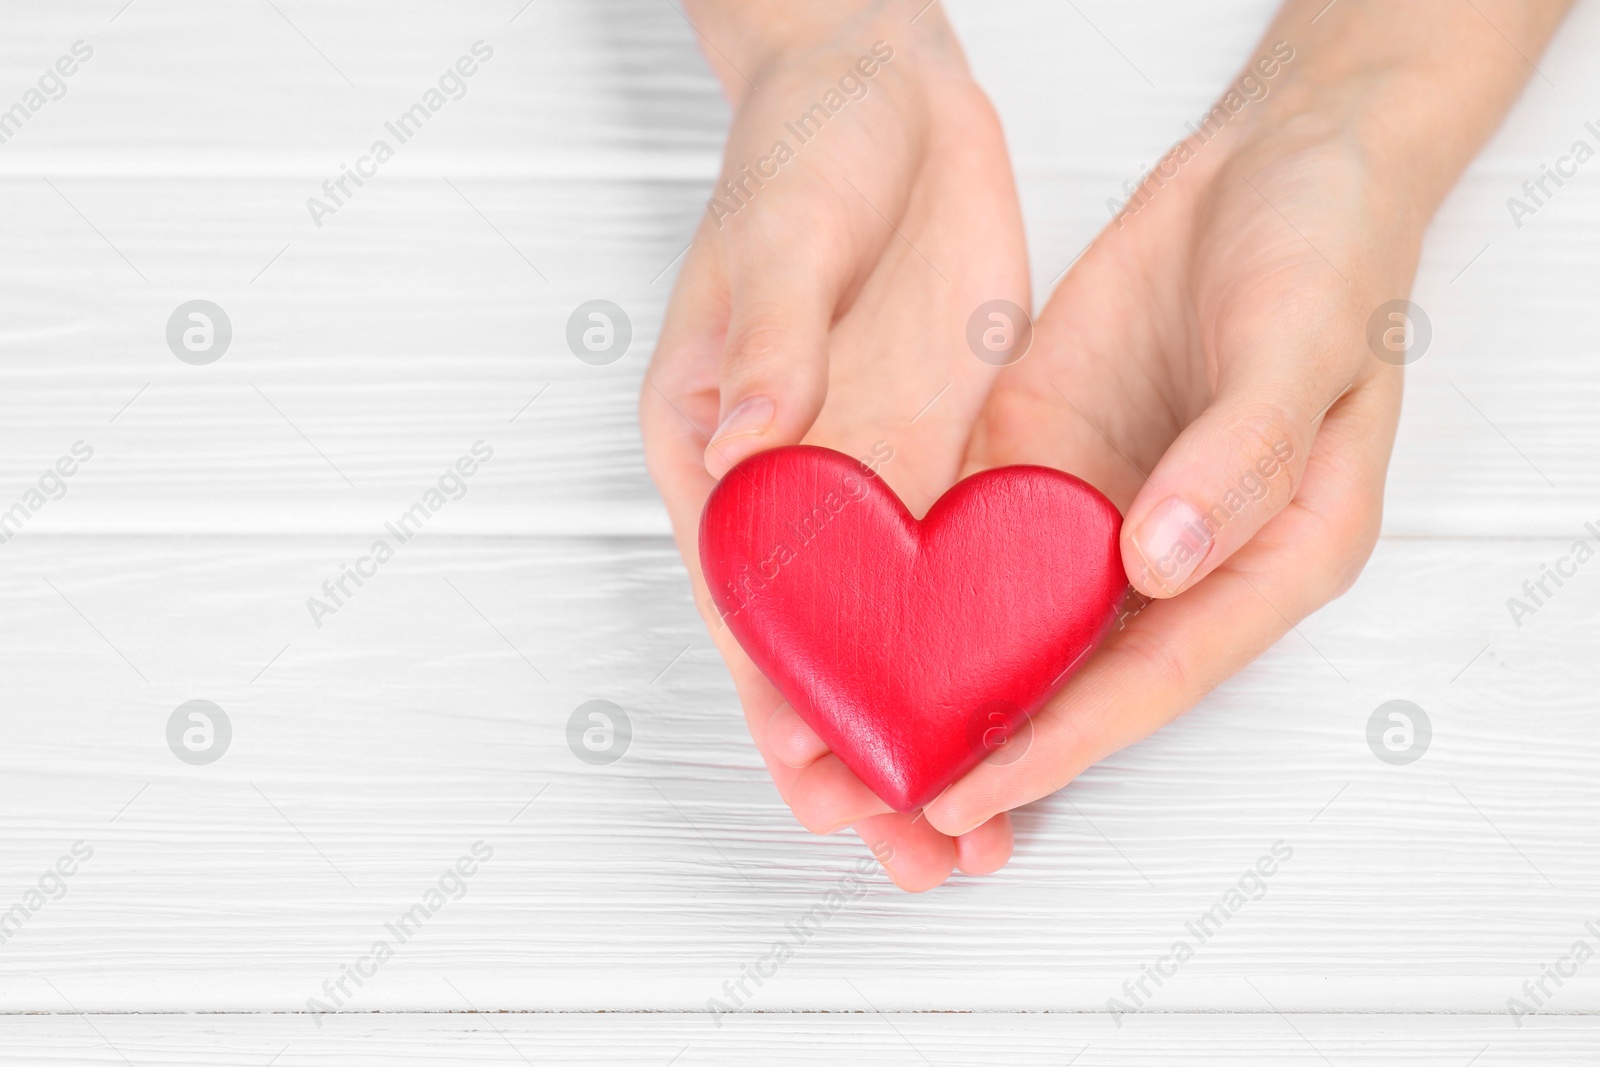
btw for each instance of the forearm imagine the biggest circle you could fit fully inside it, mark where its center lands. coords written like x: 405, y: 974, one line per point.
x: 1420, y: 85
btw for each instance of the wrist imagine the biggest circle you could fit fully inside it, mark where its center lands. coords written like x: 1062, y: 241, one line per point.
x: 1410, y: 138
x: 1413, y: 95
x: 743, y: 41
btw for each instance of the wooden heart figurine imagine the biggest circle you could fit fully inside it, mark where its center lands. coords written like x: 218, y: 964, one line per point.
x: 913, y: 648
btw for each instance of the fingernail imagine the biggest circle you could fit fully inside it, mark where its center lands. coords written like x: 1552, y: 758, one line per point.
x: 749, y: 417
x: 1174, y: 540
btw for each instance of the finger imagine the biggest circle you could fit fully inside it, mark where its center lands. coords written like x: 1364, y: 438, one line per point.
x: 792, y: 740
x: 915, y: 855
x: 678, y: 400
x: 824, y: 795
x: 1240, y: 462
x: 678, y: 396
x: 785, y: 276
x: 1176, y: 651
x: 986, y: 849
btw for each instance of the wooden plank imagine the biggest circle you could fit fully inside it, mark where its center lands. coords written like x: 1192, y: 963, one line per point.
x: 369, y: 754
x: 373, y: 352
x: 299, y: 88
x: 912, y: 1040
x: 426, y: 315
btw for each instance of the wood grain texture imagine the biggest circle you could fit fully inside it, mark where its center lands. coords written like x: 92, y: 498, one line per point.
x: 370, y: 754
x: 416, y: 320
x: 850, y: 1037
x: 431, y: 711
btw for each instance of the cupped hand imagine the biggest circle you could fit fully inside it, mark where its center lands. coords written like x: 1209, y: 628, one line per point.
x: 825, y: 299
x: 1206, y: 364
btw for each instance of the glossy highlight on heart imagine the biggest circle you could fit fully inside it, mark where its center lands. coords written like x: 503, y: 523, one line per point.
x: 912, y: 647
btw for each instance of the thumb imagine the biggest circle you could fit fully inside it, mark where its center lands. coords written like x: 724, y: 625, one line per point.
x: 775, y: 370
x: 782, y: 293
x: 1233, y: 469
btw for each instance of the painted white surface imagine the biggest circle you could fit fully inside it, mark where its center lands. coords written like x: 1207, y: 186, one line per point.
x: 371, y: 753
x: 907, y: 1041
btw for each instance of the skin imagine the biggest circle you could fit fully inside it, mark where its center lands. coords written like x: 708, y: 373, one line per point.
x: 1206, y: 355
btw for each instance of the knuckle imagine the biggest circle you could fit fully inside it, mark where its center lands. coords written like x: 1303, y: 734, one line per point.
x: 1154, y: 661
x: 1269, y: 436
x: 1269, y: 450
x: 758, y: 343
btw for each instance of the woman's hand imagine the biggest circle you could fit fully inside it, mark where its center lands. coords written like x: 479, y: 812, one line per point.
x: 1206, y: 366
x: 866, y: 208
x: 1208, y: 363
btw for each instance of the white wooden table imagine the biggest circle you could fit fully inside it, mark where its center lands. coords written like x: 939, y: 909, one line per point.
x: 430, y: 711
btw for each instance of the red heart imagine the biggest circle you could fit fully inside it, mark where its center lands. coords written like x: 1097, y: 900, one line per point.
x: 911, y: 647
